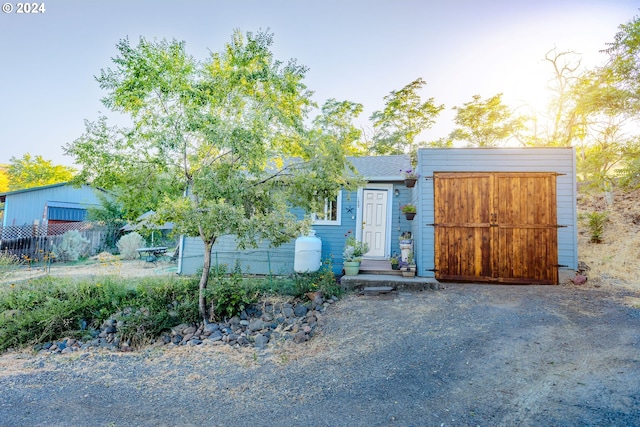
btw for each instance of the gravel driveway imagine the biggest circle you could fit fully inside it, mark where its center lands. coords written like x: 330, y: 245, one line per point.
x: 466, y: 355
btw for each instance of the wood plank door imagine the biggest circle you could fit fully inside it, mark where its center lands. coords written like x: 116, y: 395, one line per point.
x: 496, y: 227
x: 374, y: 221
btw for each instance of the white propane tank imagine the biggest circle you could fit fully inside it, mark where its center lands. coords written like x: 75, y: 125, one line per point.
x: 308, y: 250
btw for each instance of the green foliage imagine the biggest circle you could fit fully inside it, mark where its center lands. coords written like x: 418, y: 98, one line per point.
x: 354, y: 249
x: 8, y: 263
x: 485, y: 123
x: 129, y: 244
x: 29, y: 172
x: 322, y: 280
x: 218, y: 146
x: 72, y: 247
x: 595, y: 222
x: 50, y: 308
x: 404, y: 117
x: 230, y: 293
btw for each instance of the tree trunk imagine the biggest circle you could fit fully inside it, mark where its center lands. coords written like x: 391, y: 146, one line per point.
x: 204, y: 280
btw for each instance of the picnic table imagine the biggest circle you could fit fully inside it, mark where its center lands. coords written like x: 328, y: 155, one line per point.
x: 151, y: 254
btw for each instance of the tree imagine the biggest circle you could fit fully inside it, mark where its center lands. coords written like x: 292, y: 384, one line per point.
x: 404, y: 117
x: 220, y: 145
x: 485, y: 123
x: 28, y: 172
x: 4, y: 178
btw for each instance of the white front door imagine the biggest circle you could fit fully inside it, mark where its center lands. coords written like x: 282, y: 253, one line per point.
x: 374, y: 221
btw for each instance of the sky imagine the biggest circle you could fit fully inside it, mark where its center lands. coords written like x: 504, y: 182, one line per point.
x: 357, y: 50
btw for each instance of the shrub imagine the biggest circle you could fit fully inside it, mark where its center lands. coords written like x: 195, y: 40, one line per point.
x: 129, y: 244
x: 230, y: 293
x: 8, y: 263
x: 595, y: 222
x: 49, y: 308
x: 73, y: 245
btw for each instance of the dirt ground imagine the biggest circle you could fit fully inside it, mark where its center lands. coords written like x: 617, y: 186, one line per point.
x: 469, y: 354
x: 486, y: 355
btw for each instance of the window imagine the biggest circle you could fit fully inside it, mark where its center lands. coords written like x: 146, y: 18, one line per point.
x: 330, y: 215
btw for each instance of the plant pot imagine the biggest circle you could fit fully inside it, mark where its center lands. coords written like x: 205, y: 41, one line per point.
x: 351, y: 268
x: 409, y: 183
x: 395, y: 266
x: 410, y: 216
x: 409, y: 271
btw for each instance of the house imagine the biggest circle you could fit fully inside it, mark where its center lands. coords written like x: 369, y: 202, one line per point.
x: 505, y: 215
x: 56, y: 203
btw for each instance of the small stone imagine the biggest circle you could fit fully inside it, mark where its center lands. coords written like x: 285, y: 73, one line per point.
x: 177, y: 330
x: 261, y: 341
x: 287, y: 311
x: 257, y: 325
x: 579, y: 279
x: 190, y: 330
x: 215, y: 336
x: 299, y: 337
x: 244, y: 323
x: 242, y: 341
x: 211, y: 327
x: 110, y: 330
x: 300, y: 310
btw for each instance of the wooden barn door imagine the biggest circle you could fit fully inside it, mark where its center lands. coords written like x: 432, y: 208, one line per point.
x: 496, y: 227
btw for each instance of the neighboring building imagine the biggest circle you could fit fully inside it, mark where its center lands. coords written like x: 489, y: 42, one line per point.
x: 48, y: 204
x: 503, y: 215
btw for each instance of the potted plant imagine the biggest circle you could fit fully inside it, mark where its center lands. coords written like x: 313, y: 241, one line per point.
x: 408, y: 267
x: 352, y: 255
x: 409, y: 211
x: 410, y: 178
x: 395, y: 261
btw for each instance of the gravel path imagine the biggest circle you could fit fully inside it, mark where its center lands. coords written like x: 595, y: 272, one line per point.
x: 466, y: 355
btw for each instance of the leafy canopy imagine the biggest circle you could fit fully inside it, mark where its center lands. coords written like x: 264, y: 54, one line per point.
x: 404, y: 117
x: 485, y: 123
x: 29, y: 172
x: 217, y: 146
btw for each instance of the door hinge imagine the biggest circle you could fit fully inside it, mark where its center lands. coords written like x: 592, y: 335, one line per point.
x: 561, y: 226
x: 560, y: 265
x: 431, y: 269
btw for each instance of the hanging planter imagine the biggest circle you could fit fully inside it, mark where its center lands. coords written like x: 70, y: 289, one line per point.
x: 409, y: 211
x: 410, y: 178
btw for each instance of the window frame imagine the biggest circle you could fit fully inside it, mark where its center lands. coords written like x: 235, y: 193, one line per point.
x: 338, y: 219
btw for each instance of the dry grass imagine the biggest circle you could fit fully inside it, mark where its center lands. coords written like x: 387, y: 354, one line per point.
x: 615, y: 261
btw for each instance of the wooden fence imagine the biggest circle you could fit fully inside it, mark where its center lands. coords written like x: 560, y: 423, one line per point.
x: 36, y: 243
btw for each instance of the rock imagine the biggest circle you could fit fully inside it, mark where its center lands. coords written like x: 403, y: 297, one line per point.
x: 176, y: 339
x: 257, y: 325
x: 244, y: 323
x: 261, y: 341
x: 299, y: 337
x: 110, y: 330
x: 242, y: 340
x: 579, y: 279
x: 215, y: 336
x: 177, y: 330
x: 211, y: 327
x: 287, y: 311
x: 189, y: 331
x: 300, y: 310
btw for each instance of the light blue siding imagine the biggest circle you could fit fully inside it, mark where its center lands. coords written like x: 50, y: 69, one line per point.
x: 24, y: 206
x: 560, y: 160
x: 265, y: 260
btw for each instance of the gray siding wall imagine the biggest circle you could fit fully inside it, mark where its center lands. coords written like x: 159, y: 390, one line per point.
x: 552, y: 159
x: 23, y: 208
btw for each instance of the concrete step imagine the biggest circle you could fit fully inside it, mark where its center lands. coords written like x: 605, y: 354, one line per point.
x: 361, y: 281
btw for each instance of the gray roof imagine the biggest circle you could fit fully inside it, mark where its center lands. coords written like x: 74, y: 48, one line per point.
x: 382, y: 168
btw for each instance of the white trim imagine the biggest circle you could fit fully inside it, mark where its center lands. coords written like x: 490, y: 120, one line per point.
x: 359, y: 204
x: 338, y: 220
